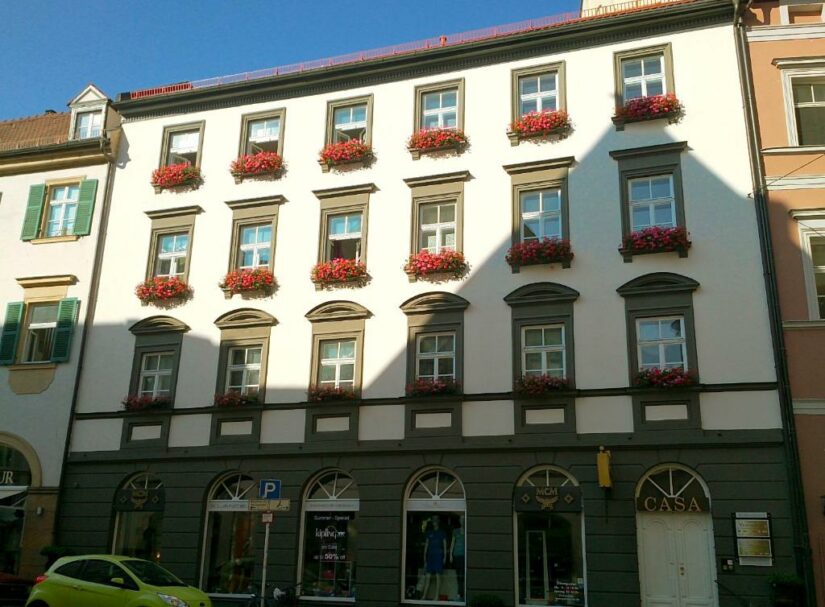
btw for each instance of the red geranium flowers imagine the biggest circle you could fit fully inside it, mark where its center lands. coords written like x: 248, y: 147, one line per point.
x: 236, y: 399
x: 175, y: 175
x: 539, y: 385
x: 345, y: 152
x: 262, y: 163
x: 673, y: 377
x: 433, y: 139
x: 432, y: 387
x: 533, y: 252
x: 649, y: 108
x: 162, y: 288
x: 245, y: 280
x: 446, y: 261
x: 656, y: 239
x: 535, y: 124
x: 338, y: 270
x: 135, y: 402
x: 318, y: 394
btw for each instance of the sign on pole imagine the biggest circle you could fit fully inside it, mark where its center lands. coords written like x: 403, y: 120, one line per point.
x: 269, y: 489
x: 269, y: 505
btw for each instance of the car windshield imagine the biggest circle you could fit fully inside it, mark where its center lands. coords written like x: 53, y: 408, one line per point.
x: 152, y: 574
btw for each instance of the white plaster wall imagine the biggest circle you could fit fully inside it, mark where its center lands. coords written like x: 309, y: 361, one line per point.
x: 595, y: 415
x: 96, y: 435
x: 490, y: 418
x: 381, y: 422
x: 740, y: 410
x: 42, y: 419
x: 283, y: 426
x: 731, y: 315
x: 190, y: 430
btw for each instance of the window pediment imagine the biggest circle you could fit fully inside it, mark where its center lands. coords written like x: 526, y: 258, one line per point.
x: 338, y: 310
x: 245, y: 317
x: 439, y: 301
x: 541, y: 292
x: 658, y: 282
x: 158, y: 324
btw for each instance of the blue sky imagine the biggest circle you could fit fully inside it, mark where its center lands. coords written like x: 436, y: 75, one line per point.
x: 49, y: 49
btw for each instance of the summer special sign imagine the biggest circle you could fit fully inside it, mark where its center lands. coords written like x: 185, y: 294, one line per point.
x: 329, y: 535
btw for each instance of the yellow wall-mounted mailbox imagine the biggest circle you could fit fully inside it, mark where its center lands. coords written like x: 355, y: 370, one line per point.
x: 603, y: 467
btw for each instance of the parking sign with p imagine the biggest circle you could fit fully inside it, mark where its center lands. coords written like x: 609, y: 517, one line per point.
x: 269, y: 489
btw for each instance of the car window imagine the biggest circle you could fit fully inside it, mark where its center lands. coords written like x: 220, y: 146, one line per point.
x: 102, y: 572
x: 152, y: 574
x: 70, y: 569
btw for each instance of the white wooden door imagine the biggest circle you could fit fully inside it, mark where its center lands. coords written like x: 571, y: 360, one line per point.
x: 676, y: 560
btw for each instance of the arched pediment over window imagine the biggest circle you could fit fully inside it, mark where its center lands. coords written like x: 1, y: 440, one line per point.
x: 338, y: 310
x: 438, y: 301
x: 158, y: 324
x: 541, y: 292
x: 658, y: 282
x: 245, y: 317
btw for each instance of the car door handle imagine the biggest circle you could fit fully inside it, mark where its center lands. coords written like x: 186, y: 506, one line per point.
x: 77, y: 587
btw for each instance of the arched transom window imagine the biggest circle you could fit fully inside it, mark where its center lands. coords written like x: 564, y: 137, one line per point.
x: 139, y: 505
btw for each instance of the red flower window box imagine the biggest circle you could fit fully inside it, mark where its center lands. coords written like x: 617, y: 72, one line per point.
x: 256, y: 165
x: 236, y: 399
x: 248, y: 281
x: 536, y: 252
x: 344, y: 152
x: 135, y: 402
x: 539, y: 124
x: 162, y: 288
x: 424, y: 263
x: 175, y: 175
x: 540, y: 385
x: 649, y: 108
x: 430, y: 140
x: 655, y: 239
x: 319, y: 394
x: 669, y: 378
x: 433, y: 387
x: 338, y: 271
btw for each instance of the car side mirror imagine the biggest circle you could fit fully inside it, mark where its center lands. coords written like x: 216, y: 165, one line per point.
x: 118, y: 581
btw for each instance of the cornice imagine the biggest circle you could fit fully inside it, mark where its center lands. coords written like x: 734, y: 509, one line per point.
x: 250, y: 203
x: 178, y: 212
x: 366, y: 188
x: 539, y: 165
x: 417, y: 182
x: 47, y: 281
x: 650, y: 150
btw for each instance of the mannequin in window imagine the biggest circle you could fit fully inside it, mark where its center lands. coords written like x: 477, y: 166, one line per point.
x: 435, y: 555
x: 457, y: 555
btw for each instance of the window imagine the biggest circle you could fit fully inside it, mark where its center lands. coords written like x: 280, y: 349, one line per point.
x: 337, y: 364
x: 171, y: 240
x: 61, y: 209
x: 344, y: 236
x: 182, y: 145
x: 661, y: 343
x: 652, y: 202
x: 338, y: 344
x: 437, y: 227
x: 42, y: 323
x: 262, y: 132
x: 43, y: 330
x: 809, y: 110
x: 101, y: 572
x: 244, y: 370
x: 244, y: 351
x: 88, y: 125
x: 549, y: 544
x: 812, y: 248
x: 139, y: 505
x: 330, y: 537
x: 645, y: 72
x: 435, y: 356
x: 818, y: 259
x: 349, y: 119
x: 438, y: 204
x: 435, y: 539
x: 542, y: 350
x: 440, y: 106
x: 540, y: 214
x: 157, y: 356
x: 254, y: 224
x: 255, y: 245
x: 344, y: 214
x: 172, y: 253
x: 156, y: 374
x: 538, y: 93
x: 800, y: 12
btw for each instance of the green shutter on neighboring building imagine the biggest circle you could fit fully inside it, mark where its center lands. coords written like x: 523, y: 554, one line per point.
x: 85, y: 207
x: 34, y: 210
x: 11, y: 332
x: 66, y: 316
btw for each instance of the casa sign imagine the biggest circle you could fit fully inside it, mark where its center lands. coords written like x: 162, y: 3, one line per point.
x: 664, y: 503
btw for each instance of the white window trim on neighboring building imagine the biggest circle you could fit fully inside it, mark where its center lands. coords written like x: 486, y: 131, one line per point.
x: 785, y: 13
x: 811, y: 224
x: 792, y: 69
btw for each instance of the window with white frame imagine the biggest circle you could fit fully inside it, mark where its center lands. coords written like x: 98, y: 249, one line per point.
x: 344, y: 236
x: 651, y: 202
x: 439, y: 109
x: 63, y: 201
x: 800, y: 12
x: 435, y: 356
x: 542, y: 350
x: 88, y: 124
x: 255, y: 245
x: 816, y: 246
x: 538, y: 93
x: 243, y: 371
x: 809, y: 110
x: 643, y: 77
x: 40, y: 329
x: 661, y: 343
x: 437, y: 226
x: 336, y: 367
x: 171, y: 256
x: 349, y: 122
x: 263, y: 135
x: 183, y: 147
x: 540, y: 214
x: 156, y: 374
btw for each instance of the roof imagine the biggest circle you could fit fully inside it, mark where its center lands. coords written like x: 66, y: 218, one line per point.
x: 34, y: 131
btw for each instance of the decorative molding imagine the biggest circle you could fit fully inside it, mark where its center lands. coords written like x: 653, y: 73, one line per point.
x: 54, y: 239
x: 658, y: 282
x: 795, y: 149
x: 179, y: 212
x: 541, y: 292
x: 808, y: 407
x: 417, y: 182
x: 649, y: 150
x: 788, y: 62
x: 62, y: 280
x: 255, y: 202
x: 337, y: 310
x: 801, y: 182
x: 438, y: 301
x: 366, y: 188
x: 810, y: 214
x: 803, y: 324
x: 768, y: 33
x: 158, y: 324
x: 245, y: 317
x: 539, y: 165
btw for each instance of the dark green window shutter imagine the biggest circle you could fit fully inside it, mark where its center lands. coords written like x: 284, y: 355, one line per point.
x: 11, y: 332
x: 85, y: 207
x: 34, y: 210
x: 66, y: 316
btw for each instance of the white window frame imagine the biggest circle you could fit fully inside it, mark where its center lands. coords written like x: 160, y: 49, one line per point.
x: 96, y: 116
x: 256, y: 247
x: 156, y: 373
x: 174, y: 152
x: 245, y: 368
x: 64, y: 204
x: 811, y: 223
x: 544, y: 349
x: 30, y: 326
x: 541, y: 214
x: 651, y: 202
x: 268, y: 137
x: 337, y: 363
x: 792, y: 69
x: 539, y: 96
x: 661, y: 343
x: 347, y: 234
x: 441, y: 110
x: 173, y: 256
x: 435, y: 356
x: 785, y: 10
x: 338, y: 128
x: 439, y: 227
x: 644, y: 78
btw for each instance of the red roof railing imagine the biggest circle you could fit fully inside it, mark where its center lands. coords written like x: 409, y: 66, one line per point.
x: 488, y: 33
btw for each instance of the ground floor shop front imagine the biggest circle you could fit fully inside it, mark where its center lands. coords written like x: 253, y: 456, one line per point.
x: 691, y: 525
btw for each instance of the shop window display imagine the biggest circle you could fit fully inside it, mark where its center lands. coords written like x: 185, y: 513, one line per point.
x: 15, y: 478
x: 139, y: 504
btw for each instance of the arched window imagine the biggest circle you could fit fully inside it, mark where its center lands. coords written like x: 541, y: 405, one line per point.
x: 139, y: 505
x: 549, y: 538
x: 434, y: 537
x: 330, y: 537
x: 228, y: 554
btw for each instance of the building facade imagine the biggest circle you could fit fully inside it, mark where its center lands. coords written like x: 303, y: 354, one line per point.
x: 786, y: 46
x: 55, y: 171
x: 453, y: 403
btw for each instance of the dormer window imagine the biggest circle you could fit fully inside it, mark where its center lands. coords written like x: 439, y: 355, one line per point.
x: 88, y: 125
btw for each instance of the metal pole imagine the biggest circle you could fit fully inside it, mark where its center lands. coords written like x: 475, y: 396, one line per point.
x: 263, y: 574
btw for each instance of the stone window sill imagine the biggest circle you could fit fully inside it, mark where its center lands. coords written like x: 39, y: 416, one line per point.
x: 54, y: 239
